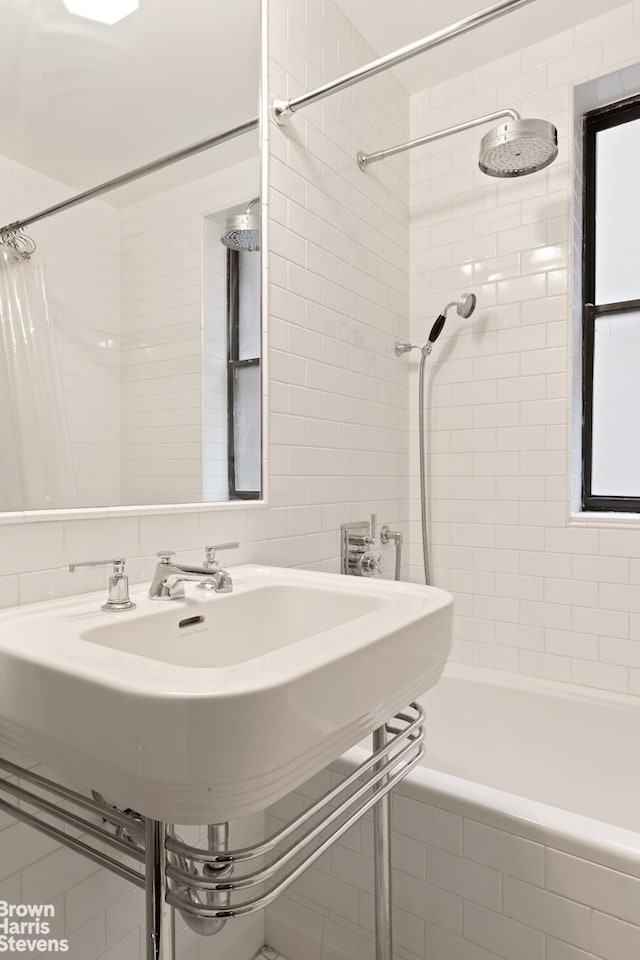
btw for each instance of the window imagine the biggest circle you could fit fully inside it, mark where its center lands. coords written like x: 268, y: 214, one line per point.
x: 243, y: 374
x: 611, y: 309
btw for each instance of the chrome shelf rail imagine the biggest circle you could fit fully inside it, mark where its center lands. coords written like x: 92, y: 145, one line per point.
x: 102, y: 859
x: 116, y: 817
x: 51, y: 809
x: 411, y: 729
x: 202, y: 883
x: 337, y: 810
x: 75, y: 821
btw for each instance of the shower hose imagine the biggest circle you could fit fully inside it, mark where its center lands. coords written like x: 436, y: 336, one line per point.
x: 426, y: 350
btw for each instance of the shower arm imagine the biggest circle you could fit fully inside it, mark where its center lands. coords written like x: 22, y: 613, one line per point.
x: 282, y: 109
x: 365, y: 159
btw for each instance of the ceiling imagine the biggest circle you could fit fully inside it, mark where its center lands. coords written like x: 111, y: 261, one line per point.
x: 83, y: 102
x: 394, y: 25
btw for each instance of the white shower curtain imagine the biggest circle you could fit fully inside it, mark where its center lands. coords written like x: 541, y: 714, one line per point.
x: 35, y: 459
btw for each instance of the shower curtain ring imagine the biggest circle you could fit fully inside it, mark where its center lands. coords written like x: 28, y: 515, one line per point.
x: 15, y: 237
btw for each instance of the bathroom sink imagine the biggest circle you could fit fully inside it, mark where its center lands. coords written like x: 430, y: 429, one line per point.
x: 238, y: 627
x: 207, y: 708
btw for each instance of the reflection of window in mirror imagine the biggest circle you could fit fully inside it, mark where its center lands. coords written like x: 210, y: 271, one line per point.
x: 243, y: 373
x: 231, y: 368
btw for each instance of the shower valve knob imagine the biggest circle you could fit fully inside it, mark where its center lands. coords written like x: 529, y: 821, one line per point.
x: 365, y: 564
x: 371, y: 566
x: 361, y: 542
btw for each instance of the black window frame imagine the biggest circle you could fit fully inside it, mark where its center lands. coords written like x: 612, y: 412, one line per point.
x: 233, y: 364
x: 595, y: 121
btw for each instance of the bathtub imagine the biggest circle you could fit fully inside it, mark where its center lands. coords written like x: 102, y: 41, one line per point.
x: 551, y: 753
x: 517, y: 839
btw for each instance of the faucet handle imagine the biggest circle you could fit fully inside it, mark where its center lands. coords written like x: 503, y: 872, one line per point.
x: 118, y: 596
x: 165, y: 555
x: 210, y: 552
x: 118, y: 565
x: 217, y: 579
x: 374, y: 527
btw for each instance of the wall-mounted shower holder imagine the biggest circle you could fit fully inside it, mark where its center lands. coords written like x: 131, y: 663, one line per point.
x: 357, y: 557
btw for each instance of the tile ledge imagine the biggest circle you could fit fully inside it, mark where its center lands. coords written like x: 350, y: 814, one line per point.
x: 97, y: 513
x: 615, y: 521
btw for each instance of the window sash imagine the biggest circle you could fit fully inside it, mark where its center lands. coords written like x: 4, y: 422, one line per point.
x: 596, y: 121
x: 233, y: 364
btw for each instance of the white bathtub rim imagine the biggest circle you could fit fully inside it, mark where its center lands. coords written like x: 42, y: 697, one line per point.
x: 528, y: 683
x: 579, y: 836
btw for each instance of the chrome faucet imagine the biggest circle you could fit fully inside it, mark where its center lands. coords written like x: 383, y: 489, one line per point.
x: 118, y: 596
x: 169, y: 578
x: 218, y: 580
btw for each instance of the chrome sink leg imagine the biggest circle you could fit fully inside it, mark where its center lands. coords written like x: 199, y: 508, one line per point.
x: 218, y: 842
x: 382, y: 861
x: 160, y: 936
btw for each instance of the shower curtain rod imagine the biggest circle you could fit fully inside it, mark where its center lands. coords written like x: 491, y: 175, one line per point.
x: 136, y: 174
x: 282, y: 109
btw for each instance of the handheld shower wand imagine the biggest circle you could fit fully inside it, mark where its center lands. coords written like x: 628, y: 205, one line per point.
x: 464, y: 307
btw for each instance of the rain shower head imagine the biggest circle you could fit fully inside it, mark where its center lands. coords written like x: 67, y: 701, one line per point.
x: 515, y: 148
x: 242, y: 232
x: 518, y: 147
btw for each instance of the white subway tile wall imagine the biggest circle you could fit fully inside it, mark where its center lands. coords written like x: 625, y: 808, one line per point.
x: 462, y: 890
x: 338, y: 265
x: 535, y: 592
x: 165, y: 408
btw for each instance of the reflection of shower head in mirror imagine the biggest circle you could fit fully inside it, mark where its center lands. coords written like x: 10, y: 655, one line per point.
x: 243, y: 232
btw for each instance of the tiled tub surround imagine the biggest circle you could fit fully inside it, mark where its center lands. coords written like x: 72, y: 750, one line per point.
x: 536, y: 592
x: 508, y: 846
x: 338, y: 289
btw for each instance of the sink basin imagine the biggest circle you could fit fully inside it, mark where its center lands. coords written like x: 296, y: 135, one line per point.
x: 205, y: 709
x: 239, y: 627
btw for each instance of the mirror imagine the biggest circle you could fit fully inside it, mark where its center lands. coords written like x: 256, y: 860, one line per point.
x: 131, y: 338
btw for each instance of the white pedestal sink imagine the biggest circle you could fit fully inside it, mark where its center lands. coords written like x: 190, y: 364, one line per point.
x: 206, y: 709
